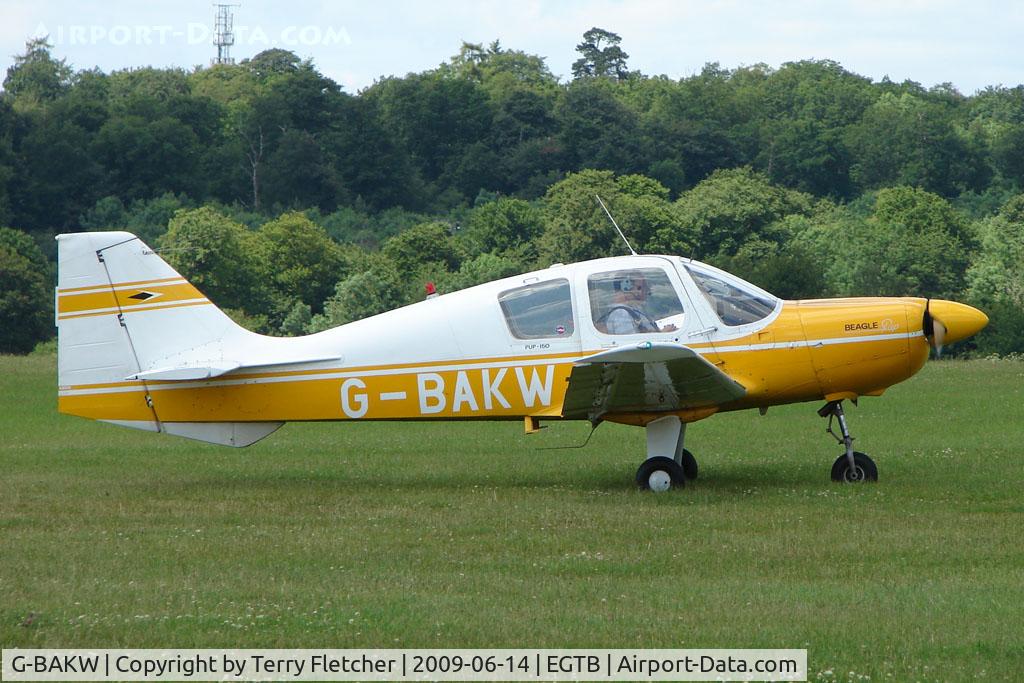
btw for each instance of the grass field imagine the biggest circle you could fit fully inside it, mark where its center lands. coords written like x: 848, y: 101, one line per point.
x: 468, y: 535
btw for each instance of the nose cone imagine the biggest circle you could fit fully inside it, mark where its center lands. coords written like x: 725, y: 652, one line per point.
x: 960, y: 320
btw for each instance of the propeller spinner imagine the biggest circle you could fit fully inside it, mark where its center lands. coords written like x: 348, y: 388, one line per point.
x: 948, y: 321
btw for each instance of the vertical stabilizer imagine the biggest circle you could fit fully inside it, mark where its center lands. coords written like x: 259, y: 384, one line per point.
x: 124, y: 314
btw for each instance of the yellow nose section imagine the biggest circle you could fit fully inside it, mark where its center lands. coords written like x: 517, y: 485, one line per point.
x: 960, y: 320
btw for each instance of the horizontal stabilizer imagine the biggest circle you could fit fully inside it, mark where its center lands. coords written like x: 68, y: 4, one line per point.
x: 183, y: 372
x: 209, y: 369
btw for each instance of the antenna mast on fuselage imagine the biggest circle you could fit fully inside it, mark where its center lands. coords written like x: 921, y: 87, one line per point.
x: 617, y: 228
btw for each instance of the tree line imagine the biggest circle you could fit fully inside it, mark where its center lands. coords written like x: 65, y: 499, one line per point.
x: 299, y: 206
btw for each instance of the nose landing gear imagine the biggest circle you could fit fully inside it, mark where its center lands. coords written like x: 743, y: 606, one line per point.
x: 853, y: 466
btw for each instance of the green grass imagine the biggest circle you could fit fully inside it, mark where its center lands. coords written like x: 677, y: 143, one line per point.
x: 468, y: 535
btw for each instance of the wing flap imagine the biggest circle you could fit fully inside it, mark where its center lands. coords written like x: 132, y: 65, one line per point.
x: 648, y: 377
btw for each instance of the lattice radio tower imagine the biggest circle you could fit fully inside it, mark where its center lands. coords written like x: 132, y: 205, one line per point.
x: 224, y: 34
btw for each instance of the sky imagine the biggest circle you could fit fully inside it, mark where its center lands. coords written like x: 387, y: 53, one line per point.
x: 969, y: 44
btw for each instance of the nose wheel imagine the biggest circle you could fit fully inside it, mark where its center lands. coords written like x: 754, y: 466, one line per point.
x: 863, y: 469
x: 852, y: 466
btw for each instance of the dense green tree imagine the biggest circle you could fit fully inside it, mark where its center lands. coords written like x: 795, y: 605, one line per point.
x: 26, y: 294
x: 781, y: 265
x: 503, y: 225
x: 996, y: 275
x: 425, y: 243
x: 433, y: 118
x: 86, y: 103
x: 217, y: 255
x: 808, y: 107
x: 107, y: 214
x: 271, y: 63
x: 525, y: 138
x: 149, y: 218
x: 600, y: 56
x: 522, y: 115
x: 146, y: 218
x: 728, y: 209
x: 146, y: 91
x: 35, y: 75
x: 480, y: 269
x: 225, y: 84
x: 598, y: 131
x: 911, y: 243
x: 374, y: 287
x: 57, y: 178
x: 500, y: 71
x: 700, y: 124
x: 577, y: 228
x: 300, y: 174
x: 144, y: 159
x: 8, y: 159
x: 371, y: 165
x: 299, y: 261
x: 908, y: 140
x: 357, y: 227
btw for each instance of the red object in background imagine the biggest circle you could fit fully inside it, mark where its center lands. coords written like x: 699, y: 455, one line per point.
x: 431, y: 290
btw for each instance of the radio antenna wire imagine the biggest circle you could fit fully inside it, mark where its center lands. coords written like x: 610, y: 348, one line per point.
x: 617, y: 228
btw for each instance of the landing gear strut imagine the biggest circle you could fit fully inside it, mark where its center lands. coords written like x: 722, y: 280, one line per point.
x: 852, y: 466
x: 668, y: 464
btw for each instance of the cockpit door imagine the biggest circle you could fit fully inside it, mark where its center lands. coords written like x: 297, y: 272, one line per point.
x: 738, y: 316
x: 632, y: 299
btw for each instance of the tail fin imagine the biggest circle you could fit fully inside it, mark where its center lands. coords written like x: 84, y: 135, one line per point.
x: 125, y: 318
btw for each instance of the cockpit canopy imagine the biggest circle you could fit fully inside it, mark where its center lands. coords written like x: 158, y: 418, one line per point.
x: 629, y: 296
x: 734, y: 301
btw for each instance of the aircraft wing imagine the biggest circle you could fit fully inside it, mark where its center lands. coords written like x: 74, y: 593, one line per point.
x: 646, y: 377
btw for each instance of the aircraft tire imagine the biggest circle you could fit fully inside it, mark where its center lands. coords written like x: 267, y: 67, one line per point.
x: 865, y: 471
x: 689, y: 465
x: 660, y: 474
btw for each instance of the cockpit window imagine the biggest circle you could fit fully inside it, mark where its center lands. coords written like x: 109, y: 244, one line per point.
x: 734, y: 301
x: 634, y: 301
x: 539, y: 310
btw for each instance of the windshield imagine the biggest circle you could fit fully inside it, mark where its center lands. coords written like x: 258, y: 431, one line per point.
x: 735, y: 301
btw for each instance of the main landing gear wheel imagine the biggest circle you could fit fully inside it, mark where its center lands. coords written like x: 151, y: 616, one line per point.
x: 660, y: 474
x: 863, y: 469
x: 689, y: 465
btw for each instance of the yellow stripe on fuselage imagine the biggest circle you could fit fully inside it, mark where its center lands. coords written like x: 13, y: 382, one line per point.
x: 444, y: 391
x: 496, y: 388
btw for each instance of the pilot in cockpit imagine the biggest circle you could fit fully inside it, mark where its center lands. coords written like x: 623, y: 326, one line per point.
x: 628, y: 312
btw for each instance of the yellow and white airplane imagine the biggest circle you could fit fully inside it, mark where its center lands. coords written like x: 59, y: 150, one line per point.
x: 652, y: 341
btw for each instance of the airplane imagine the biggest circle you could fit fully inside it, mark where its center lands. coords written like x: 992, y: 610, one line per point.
x: 654, y: 341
